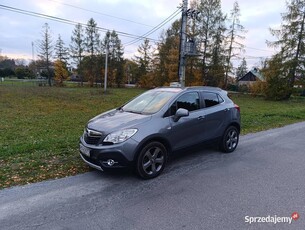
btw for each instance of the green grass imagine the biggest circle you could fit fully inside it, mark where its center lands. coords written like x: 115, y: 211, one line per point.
x: 258, y: 114
x: 40, y: 126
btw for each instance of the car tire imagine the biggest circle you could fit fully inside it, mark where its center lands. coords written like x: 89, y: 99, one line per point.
x: 151, y: 160
x: 229, y: 140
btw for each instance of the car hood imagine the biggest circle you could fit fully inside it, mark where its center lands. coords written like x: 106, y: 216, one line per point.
x: 115, y: 120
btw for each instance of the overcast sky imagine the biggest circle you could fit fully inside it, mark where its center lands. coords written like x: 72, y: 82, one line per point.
x: 134, y: 17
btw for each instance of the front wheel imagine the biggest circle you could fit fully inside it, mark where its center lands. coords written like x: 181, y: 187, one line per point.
x: 229, y: 140
x: 151, y: 160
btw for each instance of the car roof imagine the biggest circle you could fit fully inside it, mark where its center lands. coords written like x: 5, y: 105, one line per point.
x: 179, y: 89
x: 207, y: 88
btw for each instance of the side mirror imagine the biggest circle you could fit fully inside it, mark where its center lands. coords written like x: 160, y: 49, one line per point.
x: 180, y: 113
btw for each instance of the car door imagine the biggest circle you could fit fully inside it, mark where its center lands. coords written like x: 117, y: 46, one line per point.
x: 187, y: 130
x: 216, y: 115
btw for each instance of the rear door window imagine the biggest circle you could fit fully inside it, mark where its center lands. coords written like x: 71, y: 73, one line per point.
x: 211, y: 99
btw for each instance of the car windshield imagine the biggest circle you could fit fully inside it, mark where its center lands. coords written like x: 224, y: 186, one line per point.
x: 149, y: 102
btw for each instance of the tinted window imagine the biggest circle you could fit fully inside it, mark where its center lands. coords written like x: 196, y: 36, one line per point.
x: 189, y: 101
x: 211, y: 99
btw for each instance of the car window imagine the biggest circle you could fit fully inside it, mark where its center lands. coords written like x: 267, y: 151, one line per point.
x: 189, y: 101
x: 220, y: 99
x: 149, y: 102
x: 212, y: 99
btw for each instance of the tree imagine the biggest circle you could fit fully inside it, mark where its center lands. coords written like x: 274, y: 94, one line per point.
x: 144, y: 62
x: 291, y: 41
x: 116, y: 56
x: 7, y: 72
x: 210, y: 35
x: 7, y: 63
x: 60, y: 72
x: 242, y: 69
x: 92, y: 47
x: 112, y: 42
x: 166, y: 59
x: 77, y: 48
x: 45, y: 49
x: 234, y: 33
x: 61, y: 52
x: 24, y: 72
x: 216, y: 73
x: 131, y: 69
x: 20, y: 62
x: 276, y: 74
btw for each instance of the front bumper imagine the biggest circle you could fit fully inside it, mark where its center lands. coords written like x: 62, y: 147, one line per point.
x: 92, y: 165
x: 98, y: 156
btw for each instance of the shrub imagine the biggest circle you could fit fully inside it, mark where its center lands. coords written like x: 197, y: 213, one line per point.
x: 259, y: 88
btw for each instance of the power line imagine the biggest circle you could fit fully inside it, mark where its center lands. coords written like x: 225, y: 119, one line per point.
x: 250, y: 57
x: 252, y: 47
x: 96, y: 12
x: 67, y: 21
x: 169, y: 18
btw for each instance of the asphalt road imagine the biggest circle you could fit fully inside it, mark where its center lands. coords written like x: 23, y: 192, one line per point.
x: 264, y: 177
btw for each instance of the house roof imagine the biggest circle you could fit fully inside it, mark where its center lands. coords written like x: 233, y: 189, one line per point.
x: 252, y: 75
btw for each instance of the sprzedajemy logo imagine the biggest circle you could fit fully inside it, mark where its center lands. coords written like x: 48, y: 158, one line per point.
x: 272, y: 219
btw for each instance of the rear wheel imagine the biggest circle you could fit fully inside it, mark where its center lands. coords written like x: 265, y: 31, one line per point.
x: 151, y: 160
x: 229, y: 140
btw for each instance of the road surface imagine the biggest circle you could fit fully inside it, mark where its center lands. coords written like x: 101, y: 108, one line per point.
x: 263, y: 180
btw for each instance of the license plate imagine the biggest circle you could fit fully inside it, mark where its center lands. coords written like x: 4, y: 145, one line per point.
x: 84, y: 150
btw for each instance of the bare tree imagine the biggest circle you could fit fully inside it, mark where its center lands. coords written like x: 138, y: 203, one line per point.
x: 234, y: 33
x: 45, y: 50
x: 77, y: 48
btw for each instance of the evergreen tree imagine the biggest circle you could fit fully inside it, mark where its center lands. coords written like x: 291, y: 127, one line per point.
x: 211, y: 32
x: 167, y: 57
x: 61, y: 52
x: 93, y: 48
x: 242, y: 69
x: 112, y: 42
x: 291, y: 41
x: 215, y: 76
x: 144, y: 62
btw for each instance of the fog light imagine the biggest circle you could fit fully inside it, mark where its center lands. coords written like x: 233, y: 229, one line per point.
x: 110, y: 162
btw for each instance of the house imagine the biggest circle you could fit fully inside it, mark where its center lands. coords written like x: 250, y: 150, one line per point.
x: 250, y: 78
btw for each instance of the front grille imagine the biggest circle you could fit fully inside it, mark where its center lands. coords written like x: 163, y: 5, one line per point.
x: 92, y: 140
x: 92, y: 137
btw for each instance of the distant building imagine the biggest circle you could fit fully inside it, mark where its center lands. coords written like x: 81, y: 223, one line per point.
x: 251, y: 77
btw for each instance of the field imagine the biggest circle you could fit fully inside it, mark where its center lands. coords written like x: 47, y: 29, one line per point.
x: 40, y: 126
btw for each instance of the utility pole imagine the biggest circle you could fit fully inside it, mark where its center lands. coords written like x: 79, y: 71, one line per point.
x: 182, y: 54
x: 106, y: 66
x: 32, y: 51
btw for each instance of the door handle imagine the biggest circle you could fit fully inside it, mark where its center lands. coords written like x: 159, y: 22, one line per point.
x: 200, y: 118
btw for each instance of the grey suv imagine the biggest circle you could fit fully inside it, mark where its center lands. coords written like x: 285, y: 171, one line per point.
x: 144, y: 131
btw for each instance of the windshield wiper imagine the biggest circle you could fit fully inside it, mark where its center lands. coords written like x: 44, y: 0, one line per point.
x: 131, y: 111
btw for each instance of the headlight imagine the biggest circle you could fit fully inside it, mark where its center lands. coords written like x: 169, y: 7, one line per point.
x: 120, y: 136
